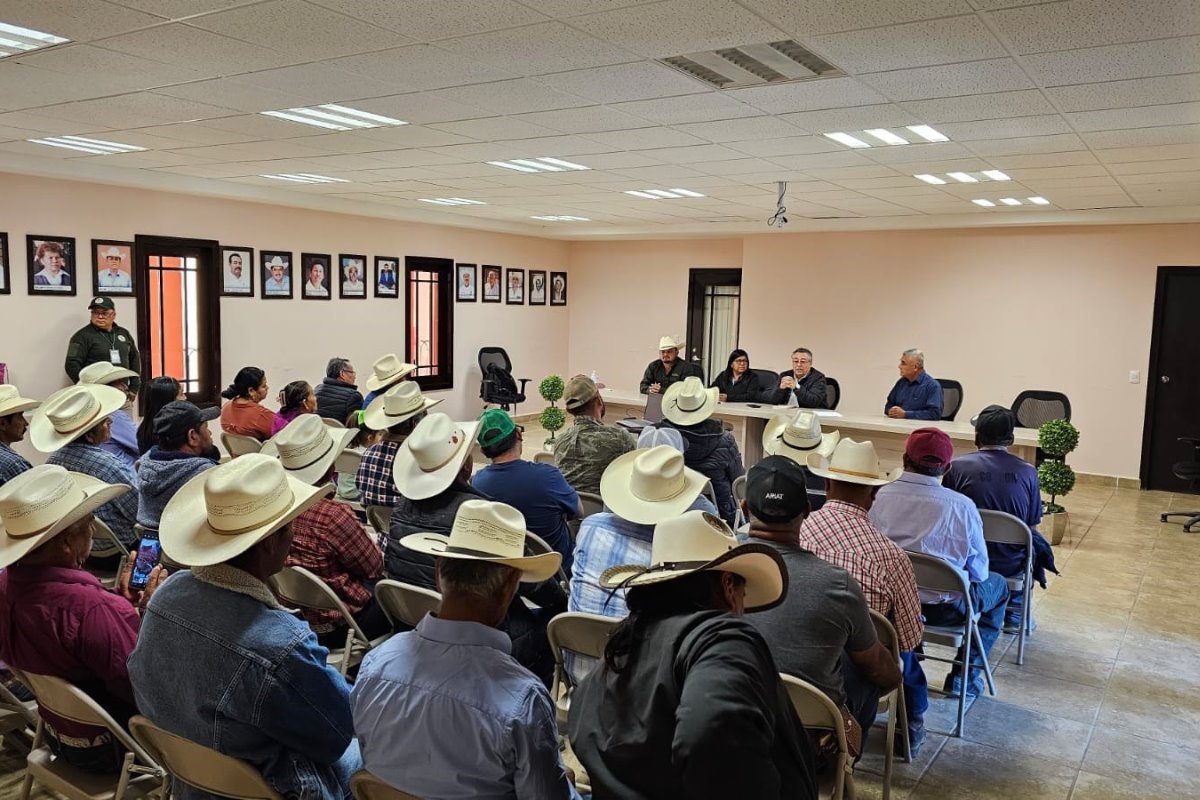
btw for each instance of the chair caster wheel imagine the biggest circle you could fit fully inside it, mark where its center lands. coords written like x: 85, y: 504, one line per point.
x: 1162, y: 517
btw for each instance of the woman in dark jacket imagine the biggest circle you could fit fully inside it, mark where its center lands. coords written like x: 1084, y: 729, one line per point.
x: 737, y: 383
x: 711, y: 450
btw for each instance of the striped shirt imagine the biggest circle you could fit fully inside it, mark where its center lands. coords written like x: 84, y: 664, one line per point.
x: 12, y: 464
x: 120, y: 513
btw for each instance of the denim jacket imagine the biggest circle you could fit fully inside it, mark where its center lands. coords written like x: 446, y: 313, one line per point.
x: 220, y: 662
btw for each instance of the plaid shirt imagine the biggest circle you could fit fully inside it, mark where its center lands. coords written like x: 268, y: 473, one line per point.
x: 330, y: 542
x: 12, y: 464
x: 842, y: 534
x: 120, y: 513
x: 374, y: 478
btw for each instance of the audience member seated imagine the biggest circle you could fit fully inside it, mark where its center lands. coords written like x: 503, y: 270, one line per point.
x: 688, y: 701
x: 445, y: 710
x: 918, y: 513
x: 347, y: 492
x: 245, y: 414
x: 825, y: 612
x: 160, y: 391
x: 123, y: 442
x: 737, y: 383
x: 55, y: 617
x: 585, y: 450
x: 327, y: 539
x: 338, y: 395
x: 841, y: 533
x: 998, y: 480
x: 537, y: 490
x: 802, y: 381
x: 796, y: 436
x: 12, y: 430
x: 387, y: 371
x: 184, y: 450
x: 294, y: 399
x: 70, y: 426
x: 668, y: 368
x: 396, y: 412
x: 916, y: 395
x: 711, y: 450
x: 219, y: 661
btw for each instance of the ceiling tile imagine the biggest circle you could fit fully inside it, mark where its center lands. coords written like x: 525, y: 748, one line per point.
x: 317, y: 83
x: 816, y: 17
x: 1116, y: 62
x: 941, y: 41
x: 1167, y: 134
x: 1059, y: 143
x: 1124, y: 94
x: 1054, y: 27
x: 153, y: 109
x: 1161, y: 152
x: 637, y: 81
x: 430, y: 20
x: 105, y: 71
x: 413, y: 136
x: 209, y: 53
x: 975, y: 77
x: 905, y: 154
x: 286, y: 25
x: 645, y: 139
x: 418, y: 67
x: 690, y: 108
x: 537, y: 49
x: 651, y: 177
x: 77, y: 20
x: 736, y: 167
x: 420, y: 108
x: 233, y: 93
x: 178, y: 9
x: 1005, y: 128
x: 852, y: 119
x: 697, y: 154
x: 1144, y: 117
x: 1040, y: 173
x: 1043, y: 160
x: 808, y: 95
x: 630, y: 160
x: 823, y: 161
x: 26, y: 87
x: 494, y: 129
x: 741, y: 130
x: 998, y: 105
x: 510, y: 97
x: 574, y: 8
x: 188, y: 133
x: 585, y: 120
x: 257, y: 126
x: 675, y: 27
x: 789, y: 146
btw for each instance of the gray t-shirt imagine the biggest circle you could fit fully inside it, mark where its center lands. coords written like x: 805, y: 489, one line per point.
x: 823, y: 614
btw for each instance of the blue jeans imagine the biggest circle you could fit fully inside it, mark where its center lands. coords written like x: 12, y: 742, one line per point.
x: 989, y: 597
x: 916, y: 687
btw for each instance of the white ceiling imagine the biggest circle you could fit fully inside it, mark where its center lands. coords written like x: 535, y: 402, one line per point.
x: 1094, y: 104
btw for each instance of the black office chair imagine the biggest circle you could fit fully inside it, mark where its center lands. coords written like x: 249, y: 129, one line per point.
x: 768, y: 384
x: 1036, y: 406
x: 833, y: 394
x: 498, y: 384
x: 952, y: 397
x: 1190, y: 472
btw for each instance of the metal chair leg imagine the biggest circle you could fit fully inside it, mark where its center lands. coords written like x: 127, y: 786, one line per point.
x: 983, y: 660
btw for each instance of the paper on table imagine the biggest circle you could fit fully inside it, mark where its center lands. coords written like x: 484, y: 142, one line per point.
x: 822, y: 412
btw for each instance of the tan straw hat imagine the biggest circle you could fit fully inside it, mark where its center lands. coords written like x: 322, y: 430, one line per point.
x: 688, y: 402
x: 796, y: 436
x: 387, y: 370
x: 307, y: 447
x: 431, y: 456
x: 104, y: 373
x: 400, y: 402
x: 649, y: 486
x: 852, y: 462
x: 487, y: 531
x: 70, y: 413
x: 11, y: 401
x: 42, y: 502
x: 697, y: 542
x: 669, y: 343
x: 275, y: 261
x: 223, y: 512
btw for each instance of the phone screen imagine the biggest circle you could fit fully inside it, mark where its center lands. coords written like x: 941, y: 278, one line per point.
x: 147, y: 558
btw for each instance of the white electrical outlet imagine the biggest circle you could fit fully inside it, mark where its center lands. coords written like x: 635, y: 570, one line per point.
x: 1135, y: 376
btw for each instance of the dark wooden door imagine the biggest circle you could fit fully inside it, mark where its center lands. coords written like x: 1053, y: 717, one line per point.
x: 714, y: 316
x: 1173, y: 394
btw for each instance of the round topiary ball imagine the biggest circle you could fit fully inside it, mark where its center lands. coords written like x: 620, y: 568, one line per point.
x: 552, y: 418
x: 551, y: 388
x: 1056, y: 478
x: 1058, y: 437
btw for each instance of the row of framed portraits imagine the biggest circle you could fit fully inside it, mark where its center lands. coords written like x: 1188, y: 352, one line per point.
x: 317, y: 276
x: 52, y: 262
x: 542, y: 286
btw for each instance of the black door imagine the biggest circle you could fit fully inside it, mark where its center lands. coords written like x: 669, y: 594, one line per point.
x: 714, y: 316
x: 1173, y: 394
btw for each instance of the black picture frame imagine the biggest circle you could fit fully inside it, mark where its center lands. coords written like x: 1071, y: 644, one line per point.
x: 537, y: 288
x: 380, y: 289
x: 121, y: 254
x: 67, y: 252
x: 266, y: 268
x: 466, y: 291
x: 489, y: 295
x: 230, y: 285
x: 5, y: 262
x: 514, y: 286
x: 323, y: 291
x: 557, y: 298
x: 346, y: 261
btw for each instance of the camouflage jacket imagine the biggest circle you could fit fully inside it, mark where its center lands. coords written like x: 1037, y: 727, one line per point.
x: 586, y: 449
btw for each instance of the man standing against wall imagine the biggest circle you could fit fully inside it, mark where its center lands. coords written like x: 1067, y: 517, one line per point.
x: 104, y: 340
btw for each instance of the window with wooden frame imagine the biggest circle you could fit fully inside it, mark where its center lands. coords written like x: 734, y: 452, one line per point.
x: 429, y: 333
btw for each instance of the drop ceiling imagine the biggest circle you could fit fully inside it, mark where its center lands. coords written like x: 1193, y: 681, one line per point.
x: 1092, y: 104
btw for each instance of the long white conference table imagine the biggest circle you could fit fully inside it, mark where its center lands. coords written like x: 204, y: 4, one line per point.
x: 749, y: 419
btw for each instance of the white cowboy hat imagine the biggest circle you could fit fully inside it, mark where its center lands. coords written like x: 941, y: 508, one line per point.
x: 276, y: 261
x: 42, y: 502
x: 400, y: 402
x: 223, y: 512
x: 113, y: 252
x: 688, y: 402
x: 104, y: 373
x: 487, y: 531
x: 70, y: 413
x: 307, y: 447
x: 795, y: 436
x: 698, y: 542
x: 11, y: 401
x: 651, y: 485
x: 432, y: 455
x: 852, y: 462
x: 387, y: 370
x: 669, y: 343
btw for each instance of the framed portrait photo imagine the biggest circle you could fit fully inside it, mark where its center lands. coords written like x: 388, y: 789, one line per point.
x: 352, y: 276
x: 315, y: 272
x: 466, y: 283
x: 492, y: 284
x: 537, y: 287
x: 276, y: 274
x: 5, y: 262
x: 558, y: 288
x: 237, y: 271
x: 51, y: 264
x: 112, y: 267
x: 387, y: 281
x: 514, y: 287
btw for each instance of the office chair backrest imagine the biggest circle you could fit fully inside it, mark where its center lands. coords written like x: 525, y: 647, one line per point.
x: 833, y: 393
x: 952, y: 397
x: 495, y: 357
x: 1036, y: 406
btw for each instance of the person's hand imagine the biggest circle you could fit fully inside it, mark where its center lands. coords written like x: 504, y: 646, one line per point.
x: 721, y: 398
x: 787, y: 383
x: 896, y: 412
x: 138, y: 598
x: 157, y: 576
x: 655, y: 388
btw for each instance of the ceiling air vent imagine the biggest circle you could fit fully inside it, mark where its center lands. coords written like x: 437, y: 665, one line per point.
x: 754, y: 65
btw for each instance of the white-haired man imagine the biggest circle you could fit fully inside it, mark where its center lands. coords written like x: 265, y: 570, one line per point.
x: 916, y: 394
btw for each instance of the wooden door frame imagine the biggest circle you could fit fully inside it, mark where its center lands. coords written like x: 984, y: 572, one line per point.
x: 1153, y: 372
x: 719, y: 276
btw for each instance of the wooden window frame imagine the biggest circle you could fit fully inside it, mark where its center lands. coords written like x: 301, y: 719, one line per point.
x: 444, y: 268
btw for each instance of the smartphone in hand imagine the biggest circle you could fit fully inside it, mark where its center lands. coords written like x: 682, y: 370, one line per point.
x: 148, y: 554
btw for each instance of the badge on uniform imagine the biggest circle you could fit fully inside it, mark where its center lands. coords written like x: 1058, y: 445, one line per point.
x: 114, y: 356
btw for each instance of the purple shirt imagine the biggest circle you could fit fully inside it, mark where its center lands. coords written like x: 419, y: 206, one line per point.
x: 998, y: 480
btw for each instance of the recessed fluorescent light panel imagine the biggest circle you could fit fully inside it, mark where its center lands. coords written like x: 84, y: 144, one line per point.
x: 996, y: 175
x: 453, y: 201
x: 912, y: 134
x: 15, y: 40
x: 661, y: 194
x: 984, y: 203
x: 1012, y: 201
x: 304, y: 177
x: 561, y: 218
x: 538, y: 165
x: 934, y: 179
x: 334, y: 117
x: 95, y: 147
x: 1039, y: 201
x: 965, y: 177
x: 846, y: 139
x: 928, y: 134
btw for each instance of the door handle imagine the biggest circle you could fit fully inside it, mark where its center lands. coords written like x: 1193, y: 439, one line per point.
x: 1165, y: 379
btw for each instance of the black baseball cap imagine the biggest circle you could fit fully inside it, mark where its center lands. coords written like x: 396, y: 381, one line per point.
x: 178, y: 417
x: 995, y: 424
x: 102, y: 302
x: 776, y: 490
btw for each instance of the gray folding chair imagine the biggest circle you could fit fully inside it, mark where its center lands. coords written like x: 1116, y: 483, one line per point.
x: 1002, y: 528
x: 201, y: 767
x: 579, y: 633
x: 892, y: 703
x: 592, y: 503
x: 238, y: 445
x: 538, y: 546
x: 816, y: 710
x: 739, y: 495
x: 544, y: 457
x: 405, y: 604
x: 366, y: 786
x: 101, y: 531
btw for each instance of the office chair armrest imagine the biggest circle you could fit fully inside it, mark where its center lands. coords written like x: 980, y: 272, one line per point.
x: 485, y: 388
x: 1192, y: 440
x: 523, y: 381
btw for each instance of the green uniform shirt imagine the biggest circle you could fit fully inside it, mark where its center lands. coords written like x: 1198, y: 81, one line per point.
x: 655, y: 373
x: 90, y: 345
x: 586, y: 449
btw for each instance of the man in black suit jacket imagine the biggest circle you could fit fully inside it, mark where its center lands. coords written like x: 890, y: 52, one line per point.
x: 806, y: 383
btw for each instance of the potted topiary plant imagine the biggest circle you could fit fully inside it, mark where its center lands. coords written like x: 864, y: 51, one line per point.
x: 552, y: 417
x: 1056, y: 439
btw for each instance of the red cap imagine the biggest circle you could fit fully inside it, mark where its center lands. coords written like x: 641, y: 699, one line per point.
x: 929, y: 447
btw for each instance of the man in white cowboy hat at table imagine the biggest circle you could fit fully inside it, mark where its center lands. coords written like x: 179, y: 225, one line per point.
x: 396, y: 412
x: 12, y: 430
x: 219, y: 660
x: 711, y: 450
x: 668, y: 368
x: 123, y: 441
x: 445, y: 710
x: 387, y: 370
x: 796, y: 436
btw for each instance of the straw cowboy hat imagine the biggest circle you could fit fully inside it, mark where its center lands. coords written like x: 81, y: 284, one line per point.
x: 44, y: 501
x: 487, y: 531
x: 387, y: 370
x: 796, y: 436
x: 852, y: 462
x: 104, y: 373
x: 70, y: 413
x: 402, y: 401
x: 223, y: 512
x: 650, y: 486
x: 113, y: 252
x: 669, y: 343
x: 688, y: 402
x: 430, y: 458
x: 276, y: 261
x: 307, y: 447
x: 699, y: 542
x: 11, y: 401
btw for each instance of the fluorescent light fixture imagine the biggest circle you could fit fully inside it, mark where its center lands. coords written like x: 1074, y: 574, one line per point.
x: 453, y: 201
x: 538, y: 165
x: 15, y: 39
x: 561, y: 218
x: 934, y: 179
x: 886, y: 136
x: 846, y: 139
x: 96, y: 147
x: 687, y: 193
x: 984, y: 203
x: 1039, y: 201
x: 363, y: 115
x: 558, y: 162
x: 996, y: 175
x: 305, y: 120
x: 928, y: 134
x: 646, y: 195
x: 1010, y: 201
x: 334, y: 117
x: 304, y: 177
x: 662, y: 193
x: 963, y: 177
x: 512, y: 166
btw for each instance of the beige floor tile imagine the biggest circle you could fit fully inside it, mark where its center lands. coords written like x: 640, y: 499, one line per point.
x: 966, y: 770
x: 1032, y: 733
x: 1116, y: 754
x: 1090, y: 786
x: 1046, y: 656
x: 1060, y: 698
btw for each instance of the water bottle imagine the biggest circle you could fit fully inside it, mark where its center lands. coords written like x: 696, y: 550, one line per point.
x: 792, y: 402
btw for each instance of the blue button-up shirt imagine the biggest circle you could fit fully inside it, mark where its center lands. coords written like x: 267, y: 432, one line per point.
x: 920, y: 399
x: 445, y: 712
x: 123, y: 443
x: 918, y: 513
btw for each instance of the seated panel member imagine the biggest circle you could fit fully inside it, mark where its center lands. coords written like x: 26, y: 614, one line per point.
x: 668, y: 368
x: 737, y: 383
x: 803, y: 381
x: 916, y: 394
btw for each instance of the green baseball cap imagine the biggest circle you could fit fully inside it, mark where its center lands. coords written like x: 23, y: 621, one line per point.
x: 102, y: 302
x: 494, y: 425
